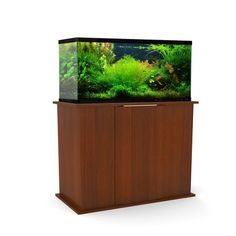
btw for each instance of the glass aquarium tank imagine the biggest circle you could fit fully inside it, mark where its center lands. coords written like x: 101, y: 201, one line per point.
x: 124, y: 70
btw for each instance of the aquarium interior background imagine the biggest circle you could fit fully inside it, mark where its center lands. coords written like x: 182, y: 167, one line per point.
x: 114, y: 71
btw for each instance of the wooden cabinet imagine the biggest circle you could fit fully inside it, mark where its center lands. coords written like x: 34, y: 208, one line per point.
x: 115, y: 155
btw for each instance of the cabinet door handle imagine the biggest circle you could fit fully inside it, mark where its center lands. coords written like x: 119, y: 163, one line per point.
x: 140, y: 105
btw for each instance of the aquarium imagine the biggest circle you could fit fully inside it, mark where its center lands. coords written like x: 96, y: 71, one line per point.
x: 124, y: 70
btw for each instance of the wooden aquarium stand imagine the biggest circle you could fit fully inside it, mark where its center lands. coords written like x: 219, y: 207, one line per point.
x: 114, y: 155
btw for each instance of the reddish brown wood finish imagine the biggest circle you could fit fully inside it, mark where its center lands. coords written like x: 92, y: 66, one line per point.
x: 153, y: 150
x: 78, y: 210
x: 114, y: 156
x: 86, y: 155
x: 69, y: 158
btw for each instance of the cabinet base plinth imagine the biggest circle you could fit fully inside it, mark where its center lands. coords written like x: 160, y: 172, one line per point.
x: 78, y: 210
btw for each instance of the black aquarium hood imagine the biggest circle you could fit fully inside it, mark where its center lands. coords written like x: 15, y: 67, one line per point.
x: 116, y: 40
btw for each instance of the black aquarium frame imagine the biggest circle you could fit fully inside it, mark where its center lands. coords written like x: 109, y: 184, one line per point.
x: 116, y: 40
x: 119, y: 40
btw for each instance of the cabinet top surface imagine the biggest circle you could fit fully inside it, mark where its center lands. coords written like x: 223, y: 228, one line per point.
x: 126, y: 103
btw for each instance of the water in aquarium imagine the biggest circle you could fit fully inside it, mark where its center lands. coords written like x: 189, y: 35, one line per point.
x: 124, y: 71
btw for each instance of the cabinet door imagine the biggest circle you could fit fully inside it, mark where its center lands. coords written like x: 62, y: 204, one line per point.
x: 153, y: 152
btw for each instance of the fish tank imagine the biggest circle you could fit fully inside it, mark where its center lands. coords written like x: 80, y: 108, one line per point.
x: 124, y: 70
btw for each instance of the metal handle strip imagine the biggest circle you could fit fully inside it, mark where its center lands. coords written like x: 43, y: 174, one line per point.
x: 140, y: 105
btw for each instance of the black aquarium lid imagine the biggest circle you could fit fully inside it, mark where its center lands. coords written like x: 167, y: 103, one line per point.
x: 112, y: 40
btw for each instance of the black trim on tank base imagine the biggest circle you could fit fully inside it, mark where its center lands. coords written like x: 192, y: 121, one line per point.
x: 120, y: 100
x: 113, y: 40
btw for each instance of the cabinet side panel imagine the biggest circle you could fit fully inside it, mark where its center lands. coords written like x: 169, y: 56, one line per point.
x: 69, y: 157
x: 97, y: 152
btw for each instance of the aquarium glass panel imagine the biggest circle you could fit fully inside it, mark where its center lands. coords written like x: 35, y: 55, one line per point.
x: 68, y: 66
x: 124, y: 71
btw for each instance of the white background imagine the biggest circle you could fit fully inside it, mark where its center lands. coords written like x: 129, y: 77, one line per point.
x: 29, y: 31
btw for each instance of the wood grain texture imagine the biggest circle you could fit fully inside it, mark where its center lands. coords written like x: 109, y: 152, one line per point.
x: 69, y: 157
x: 153, y: 150
x: 114, y: 155
x: 174, y: 150
x: 86, y: 155
x: 78, y: 210
x: 97, y: 155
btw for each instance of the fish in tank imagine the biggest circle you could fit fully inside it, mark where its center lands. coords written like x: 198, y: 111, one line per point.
x: 107, y: 70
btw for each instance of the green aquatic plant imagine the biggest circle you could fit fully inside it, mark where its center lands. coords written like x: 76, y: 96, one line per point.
x: 103, y: 51
x: 183, y: 88
x: 90, y: 70
x: 120, y: 91
x: 176, y: 59
x: 84, y: 61
x: 107, y: 54
x: 172, y: 54
x: 68, y: 61
x: 127, y: 71
x: 93, y: 58
x: 159, y: 78
x: 68, y: 70
x: 131, y: 78
x: 138, y: 94
x: 125, y: 76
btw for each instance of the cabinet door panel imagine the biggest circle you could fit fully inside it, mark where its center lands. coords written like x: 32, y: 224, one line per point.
x: 174, y: 149
x: 153, y: 152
